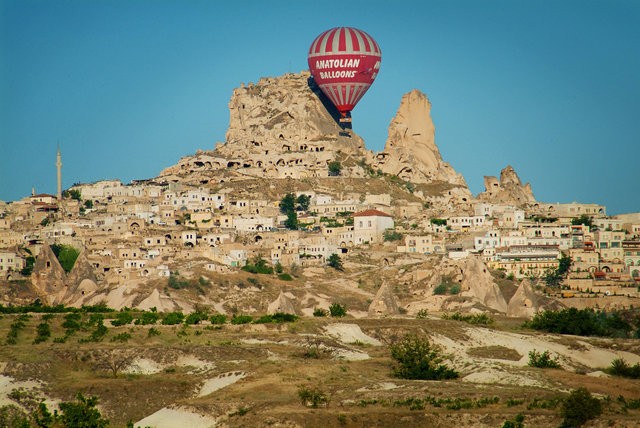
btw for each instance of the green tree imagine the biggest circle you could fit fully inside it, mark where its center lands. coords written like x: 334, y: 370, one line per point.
x: 579, y: 407
x: 418, y: 360
x: 66, y: 255
x: 288, y: 203
x: 583, y: 219
x: 335, y: 262
x: 303, y: 202
x: 30, y: 261
x: 292, y: 220
x: 81, y: 414
x: 337, y: 310
x: 73, y: 194
x: 334, y: 168
x: 88, y: 204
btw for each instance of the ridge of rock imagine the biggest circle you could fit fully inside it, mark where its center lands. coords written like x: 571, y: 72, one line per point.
x: 508, y: 190
x: 410, y: 151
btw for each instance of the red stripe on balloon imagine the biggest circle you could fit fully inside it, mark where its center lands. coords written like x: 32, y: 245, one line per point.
x: 354, y: 40
x: 342, y: 40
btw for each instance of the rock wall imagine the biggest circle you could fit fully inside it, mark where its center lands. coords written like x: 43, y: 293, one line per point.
x: 280, y: 127
x: 508, y: 190
x: 286, y: 127
x: 411, y: 152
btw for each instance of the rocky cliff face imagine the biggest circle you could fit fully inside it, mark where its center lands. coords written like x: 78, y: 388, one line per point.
x: 280, y: 127
x: 411, y: 152
x: 48, y: 276
x: 508, y: 190
x: 285, y: 127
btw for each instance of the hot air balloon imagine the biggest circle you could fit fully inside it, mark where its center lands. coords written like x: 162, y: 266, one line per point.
x: 344, y: 62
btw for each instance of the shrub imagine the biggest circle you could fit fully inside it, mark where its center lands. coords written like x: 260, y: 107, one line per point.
x: 82, y: 413
x: 44, y: 333
x: 619, y: 367
x: 335, y: 262
x: 455, y: 289
x: 173, y: 318
x: 418, y: 360
x: 122, y: 337
x: 278, y: 317
x: 195, y: 318
x: 147, y: 318
x: 153, y: 332
x: 391, y: 235
x: 218, y: 319
x: 517, y: 422
x: 422, y: 314
x: 242, y: 319
x: 285, y: 277
x: 72, y: 322
x: 475, y: 319
x: 579, y: 407
x: 583, y: 322
x: 334, y: 168
x: 337, y: 310
x: 312, y: 397
x: 440, y: 290
x: 543, y: 360
x: 123, y: 318
x: 259, y: 266
x: 319, y: 312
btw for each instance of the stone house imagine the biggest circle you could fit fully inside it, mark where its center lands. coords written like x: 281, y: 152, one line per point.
x: 369, y: 225
x: 10, y: 261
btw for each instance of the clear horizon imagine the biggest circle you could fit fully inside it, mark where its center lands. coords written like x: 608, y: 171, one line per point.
x: 127, y: 88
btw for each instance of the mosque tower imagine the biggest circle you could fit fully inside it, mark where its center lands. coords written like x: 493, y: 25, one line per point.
x: 59, y: 166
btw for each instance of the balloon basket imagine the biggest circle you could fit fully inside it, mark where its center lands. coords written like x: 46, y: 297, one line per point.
x: 345, y: 120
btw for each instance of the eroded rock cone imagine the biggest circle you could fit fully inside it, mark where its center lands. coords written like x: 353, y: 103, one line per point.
x: 281, y: 304
x: 384, y: 303
x: 48, y: 276
x: 479, y: 282
x: 524, y: 302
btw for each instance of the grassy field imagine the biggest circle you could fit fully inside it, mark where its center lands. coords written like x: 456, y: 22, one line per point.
x: 280, y: 360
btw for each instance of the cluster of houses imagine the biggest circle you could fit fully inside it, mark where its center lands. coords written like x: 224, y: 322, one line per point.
x: 145, y: 229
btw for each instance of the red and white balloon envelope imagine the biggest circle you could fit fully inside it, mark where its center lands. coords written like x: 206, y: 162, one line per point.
x: 344, y: 62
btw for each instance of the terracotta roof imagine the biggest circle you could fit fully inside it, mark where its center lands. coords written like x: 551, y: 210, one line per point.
x: 369, y: 213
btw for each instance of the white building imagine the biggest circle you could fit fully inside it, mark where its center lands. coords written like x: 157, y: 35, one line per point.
x: 369, y: 226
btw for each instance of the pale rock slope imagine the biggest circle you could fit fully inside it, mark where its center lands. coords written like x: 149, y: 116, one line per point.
x: 411, y: 152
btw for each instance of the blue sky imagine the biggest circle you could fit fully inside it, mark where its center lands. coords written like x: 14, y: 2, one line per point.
x: 128, y: 87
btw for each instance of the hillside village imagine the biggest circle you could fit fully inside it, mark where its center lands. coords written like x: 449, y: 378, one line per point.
x: 233, y: 260
x: 218, y: 210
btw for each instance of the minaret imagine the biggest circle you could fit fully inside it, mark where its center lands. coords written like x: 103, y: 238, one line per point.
x: 59, y: 166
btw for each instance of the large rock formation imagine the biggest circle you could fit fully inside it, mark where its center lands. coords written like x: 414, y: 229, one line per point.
x: 508, y: 190
x: 411, y: 152
x: 525, y: 302
x: 280, y: 127
x: 478, y: 282
x: 48, y: 276
x: 285, y: 127
x: 81, y: 274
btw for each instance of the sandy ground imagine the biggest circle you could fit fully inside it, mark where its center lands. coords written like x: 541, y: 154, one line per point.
x: 350, y: 333
x: 504, y: 371
x: 8, y: 384
x: 216, y: 383
x: 176, y: 417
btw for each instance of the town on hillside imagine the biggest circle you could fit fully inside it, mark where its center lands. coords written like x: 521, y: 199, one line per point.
x: 291, y: 189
